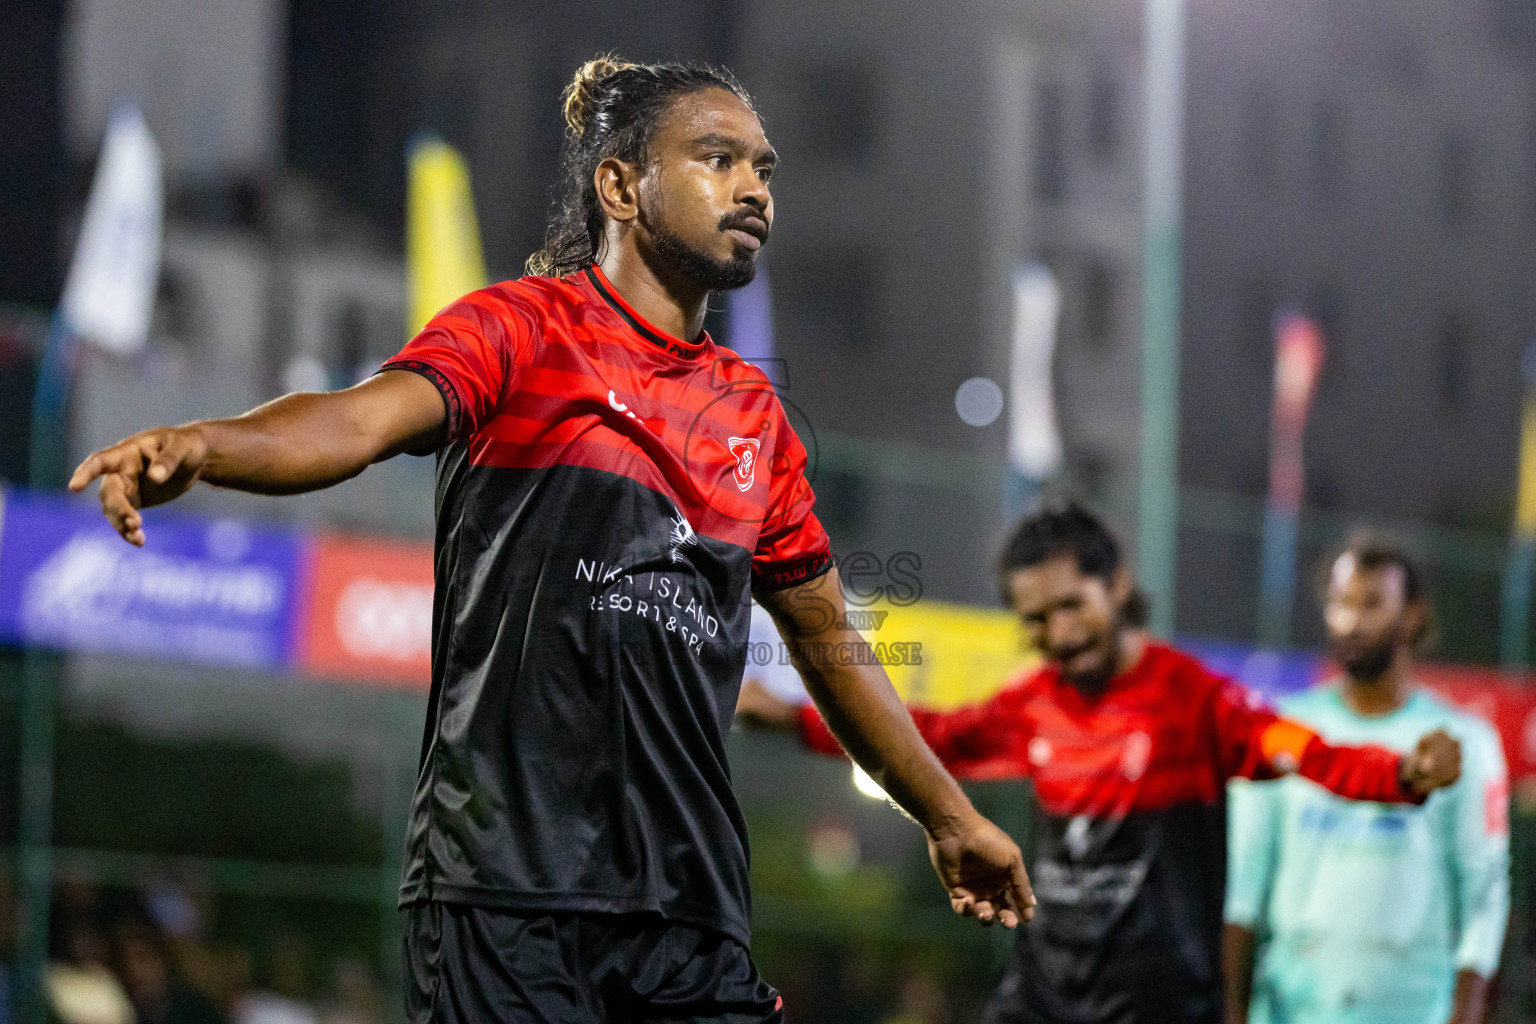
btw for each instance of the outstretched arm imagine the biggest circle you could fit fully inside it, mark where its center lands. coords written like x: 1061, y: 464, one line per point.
x: 989, y: 740
x: 980, y: 866
x: 296, y: 443
x: 1256, y: 743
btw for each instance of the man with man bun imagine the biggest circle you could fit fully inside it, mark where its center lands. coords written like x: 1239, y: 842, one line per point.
x: 611, y: 487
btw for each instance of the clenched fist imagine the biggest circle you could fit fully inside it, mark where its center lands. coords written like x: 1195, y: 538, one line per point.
x: 1434, y: 764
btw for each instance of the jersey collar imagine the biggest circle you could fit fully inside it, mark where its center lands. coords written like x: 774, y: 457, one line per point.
x: 1416, y: 697
x: 667, y: 343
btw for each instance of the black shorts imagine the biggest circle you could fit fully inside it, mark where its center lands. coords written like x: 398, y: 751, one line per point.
x: 471, y: 965
x: 1024, y: 996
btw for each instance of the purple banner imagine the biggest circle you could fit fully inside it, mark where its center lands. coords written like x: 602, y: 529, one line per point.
x: 1272, y: 673
x: 219, y: 591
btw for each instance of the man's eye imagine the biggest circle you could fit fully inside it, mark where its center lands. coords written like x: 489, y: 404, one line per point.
x: 718, y: 161
x: 765, y: 174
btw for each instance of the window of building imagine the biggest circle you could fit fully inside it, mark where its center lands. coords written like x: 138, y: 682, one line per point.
x: 1104, y: 119
x: 836, y: 108
x: 349, y: 341
x: 1453, y: 359
x: 1455, y: 179
x: 842, y: 501
x: 826, y: 294
x: 1530, y: 167
x: 1322, y: 488
x: 1325, y: 304
x: 1050, y: 143
x: 1255, y: 322
x: 1261, y: 126
x: 1100, y: 295
x: 1327, y: 149
x: 1402, y: 64
x: 178, y: 316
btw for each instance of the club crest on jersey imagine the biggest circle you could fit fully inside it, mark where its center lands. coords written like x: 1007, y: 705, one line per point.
x: 745, y: 450
x: 682, y: 536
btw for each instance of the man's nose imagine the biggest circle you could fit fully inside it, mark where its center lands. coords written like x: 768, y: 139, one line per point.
x: 1063, y: 631
x: 753, y: 191
x: 1342, y: 621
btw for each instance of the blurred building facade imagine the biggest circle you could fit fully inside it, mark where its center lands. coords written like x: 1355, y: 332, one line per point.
x: 1373, y: 166
x: 926, y: 157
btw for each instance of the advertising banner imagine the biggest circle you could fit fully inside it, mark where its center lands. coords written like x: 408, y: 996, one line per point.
x: 1274, y: 674
x: 369, y: 611
x: 944, y: 655
x: 223, y: 592
x: 217, y: 592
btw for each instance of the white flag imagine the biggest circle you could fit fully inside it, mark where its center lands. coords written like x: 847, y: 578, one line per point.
x: 111, y: 286
x: 1034, y: 445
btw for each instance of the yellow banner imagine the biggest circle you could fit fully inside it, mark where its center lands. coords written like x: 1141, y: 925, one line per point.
x: 948, y: 654
x: 442, y: 236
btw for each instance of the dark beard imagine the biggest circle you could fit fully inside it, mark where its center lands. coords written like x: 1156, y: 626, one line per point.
x: 1367, y: 663
x: 701, y: 268
x: 1094, y: 683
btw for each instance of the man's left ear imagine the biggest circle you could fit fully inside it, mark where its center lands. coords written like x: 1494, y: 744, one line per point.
x: 1120, y: 586
x: 618, y: 192
x: 1416, y: 623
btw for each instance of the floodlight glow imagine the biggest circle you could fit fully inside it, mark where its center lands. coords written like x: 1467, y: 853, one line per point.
x: 979, y: 401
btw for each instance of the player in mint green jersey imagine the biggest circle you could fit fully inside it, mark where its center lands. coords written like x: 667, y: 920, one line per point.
x: 1355, y: 913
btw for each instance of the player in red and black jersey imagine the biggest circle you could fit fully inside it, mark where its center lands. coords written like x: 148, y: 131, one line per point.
x: 611, y: 488
x: 1129, y: 744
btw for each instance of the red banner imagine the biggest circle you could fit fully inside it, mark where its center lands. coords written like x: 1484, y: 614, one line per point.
x: 1508, y: 702
x: 369, y: 612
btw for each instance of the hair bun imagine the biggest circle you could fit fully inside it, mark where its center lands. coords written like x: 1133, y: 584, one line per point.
x: 581, y: 94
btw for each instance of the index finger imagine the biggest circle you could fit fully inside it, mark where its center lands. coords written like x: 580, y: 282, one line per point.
x: 87, y: 471
x: 102, y: 462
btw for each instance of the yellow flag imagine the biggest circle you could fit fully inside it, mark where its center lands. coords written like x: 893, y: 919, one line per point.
x: 442, y: 235
x: 1525, y: 504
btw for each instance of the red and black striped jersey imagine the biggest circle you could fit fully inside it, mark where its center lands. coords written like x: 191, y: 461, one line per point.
x: 1130, y: 785
x: 607, y: 498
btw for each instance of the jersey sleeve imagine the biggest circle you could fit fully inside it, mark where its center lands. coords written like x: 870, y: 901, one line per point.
x: 473, y: 350
x: 978, y: 741
x: 792, y: 546
x: 1253, y: 830
x: 1481, y: 850
x: 1253, y: 742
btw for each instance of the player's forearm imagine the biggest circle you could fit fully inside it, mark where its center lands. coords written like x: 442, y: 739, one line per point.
x: 296, y: 443
x: 861, y: 707
x: 864, y: 712
x: 1472, y: 997
x: 1358, y: 773
x: 1238, y: 945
